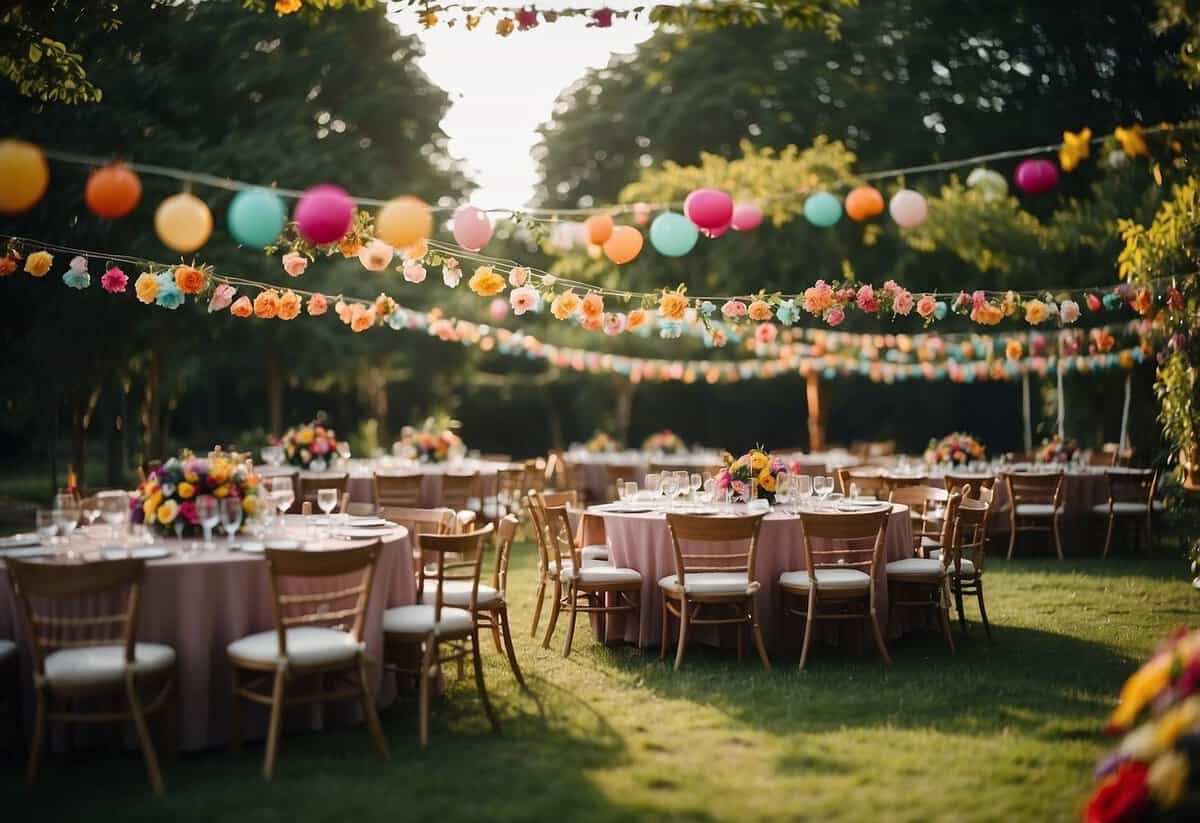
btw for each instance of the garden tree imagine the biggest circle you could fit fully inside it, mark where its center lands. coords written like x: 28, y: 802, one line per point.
x: 278, y: 100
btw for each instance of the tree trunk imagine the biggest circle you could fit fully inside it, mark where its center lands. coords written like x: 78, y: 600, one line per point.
x: 114, y: 423
x: 152, y: 410
x: 274, y: 387
x: 83, y: 405
x: 816, y: 420
x: 623, y: 389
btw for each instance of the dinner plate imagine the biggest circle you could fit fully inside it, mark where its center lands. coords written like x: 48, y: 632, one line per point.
x: 17, y: 540
x: 258, y: 547
x: 352, y: 532
x: 625, y: 509
x: 25, y: 552
x: 851, y: 508
x: 137, y: 553
x: 367, y: 522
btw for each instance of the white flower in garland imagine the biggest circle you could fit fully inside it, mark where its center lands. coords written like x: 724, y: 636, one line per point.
x: 451, y: 273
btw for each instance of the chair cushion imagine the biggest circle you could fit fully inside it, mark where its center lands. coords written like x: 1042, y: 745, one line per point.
x: 602, y: 573
x: 306, y: 646
x: 97, y: 665
x: 418, y: 620
x: 1122, y: 508
x: 7, y: 649
x: 848, y: 579
x: 1036, y: 510
x: 928, y: 542
x: 926, y: 568
x: 712, y: 583
x: 458, y: 593
x: 966, y: 568
x: 594, y: 553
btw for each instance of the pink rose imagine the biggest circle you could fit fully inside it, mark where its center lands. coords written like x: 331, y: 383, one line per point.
x: 866, y: 299
x: 518, y: 276
x: 523, y: 299
x: 376, y: 255
x: 926, y: 306
x: 1069, y: 311
x: 835, y: 317
x: 295, y: 264
x: 723, y: 480
x: 320, y: 445
x: 978, y: 299
x: 765, y: 333
x: 734, y: 309
x: 592, y: 322
x: 114, y: 281
x: 414, y: 272
x: 317, y: 305
x: 221, y: 298
x: 187, y: 510
x: 718, y: 339
x: 451, y: 273
x: 903, y: 303
x: 614, y: 323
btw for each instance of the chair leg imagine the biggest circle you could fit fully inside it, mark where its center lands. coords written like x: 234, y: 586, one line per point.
x: 943, y: 607
x: 758, y: 640
x: 1108, y: 535
x: 275, y: 729
x: 427, y: 654
x: 958, y: 604
x: 39, y: 738
x: 1012, y: 537
x: 171, y: 720
x: 378, y: 741
x: 808, y: 627
x: 555, y: 608
x: 878, y: 635
x: 502, y: 617
x: 1057, y: 537
x: 666, y: 615
x: 537, y: 606
x: 987, y: 628
x: 143, y: 734
x: 573, y: 596
x: 235, y: 711
x: 496, y: 636
x: 683, y: 624
x: 479, y: 684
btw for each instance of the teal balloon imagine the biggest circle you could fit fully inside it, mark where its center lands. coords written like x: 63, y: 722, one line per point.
x: 256, y: 217
x: 822, y: 209
x: 673, y: 235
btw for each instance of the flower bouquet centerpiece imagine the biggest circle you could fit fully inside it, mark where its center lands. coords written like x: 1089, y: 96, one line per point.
x: 433, y: 442
x: 954, y: 450
x: 1154, y: 774
x: 1057, y: 450
x: 751, y: 475
x: 166, y: 500
x: 311, y: 446
x: 601, y: 443
x: 664, y: 442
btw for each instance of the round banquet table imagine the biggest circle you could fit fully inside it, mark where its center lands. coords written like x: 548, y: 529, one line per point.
x: 643, y: 542
x: 595, y: 466
x: 362, y: 476
x: 200, y: 602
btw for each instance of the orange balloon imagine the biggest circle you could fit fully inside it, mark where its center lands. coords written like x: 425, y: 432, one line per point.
x: 863, y: 203
x: 624, y: 244
x: 599, y: 228
x: 24, y: 176
x: 403, y: 222
x: 113, y: 191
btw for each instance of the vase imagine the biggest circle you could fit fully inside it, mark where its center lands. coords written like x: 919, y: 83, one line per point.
x: 317, y: 464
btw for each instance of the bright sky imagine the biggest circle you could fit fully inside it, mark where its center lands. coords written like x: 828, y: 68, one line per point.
x: 503, y: 88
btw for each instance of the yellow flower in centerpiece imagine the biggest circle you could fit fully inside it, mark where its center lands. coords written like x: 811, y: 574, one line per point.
x: 146, y: 287
x: 39, y: 263
x: 151, y: 503
x: 167, y: 512
x: 672, y: 305
x: 1075, y: 149
x: 191, y: 477
x: 485, y: 282
x: 304, y: 436
x: 250, y: 505
x: 186, y: 490
x: 286, y: 6
x: 218, y: 473
x: 758, y: 460
x: 766, y: 480
x: 221, y: 490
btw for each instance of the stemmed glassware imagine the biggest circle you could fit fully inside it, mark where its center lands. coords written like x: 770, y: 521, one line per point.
x: 710, y: 490
x: 822, y: 487
x: 90, y: 507
x: 682, y: 482
x: 669, y: 486
x: 283, y: 495
x: 783, y: 490
x: 66, y: 518
x: 229, y: 510
x: 327, y: 500
x: 114, y: 510
x: 209, y: 514
x: 47, y: 525
x: 273, y: 455
x: 696, y: 482
x: 652, y: 484
x: 802, y: 485
x: 631, y: 491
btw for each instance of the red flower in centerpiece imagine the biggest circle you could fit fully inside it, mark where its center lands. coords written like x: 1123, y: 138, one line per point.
x: 602, y: 18
x: 1121, y: 797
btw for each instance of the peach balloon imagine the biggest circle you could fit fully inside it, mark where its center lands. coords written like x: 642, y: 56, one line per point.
x: 24, y: 176
x: 183, y: 222
x: 599, y: 228
x: 864, y: 203
x: 113, y: 191
x: 404, y: 222
x: 623, y: 245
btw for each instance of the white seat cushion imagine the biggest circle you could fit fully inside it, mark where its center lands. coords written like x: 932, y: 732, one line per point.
x: 712, y: 583
x: 7, y: 649
x: 97, y: 665
x: 602, y: 573
x: 458, y: 593
x: 306, y: 646
x: 594, y: 553
x: 916, y: 567
x: 840, y: 579
x: 967, y: 567
x: 1125, y: 508
x: 1036, y: 510
x: 928, y: 542
x: 418, y: 620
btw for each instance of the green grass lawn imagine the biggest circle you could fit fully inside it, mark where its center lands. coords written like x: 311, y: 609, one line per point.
x: 1006, y: 732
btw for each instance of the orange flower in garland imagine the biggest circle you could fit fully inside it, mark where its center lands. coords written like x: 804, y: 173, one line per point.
x: 146, y: 287
x: 39, y: 263
x: 287, y: 6
x: 384, y: 305
x: 672, y: 305
x: 242, y: 307
x: 485, y: 282
x: 1142, y: 303
x: 8, y: 263
x: 344, y: 311
x: 289, y: 305
x: 317, y: 305
x: 1035, y: 312
x: 565, y: 305
x: 266, y: 304
x: 593, y: 307
x: 760, y: 310
x: 189, y: 279
x: 350, y: 246
x: 1013, y: 349
x: 987, y: 314
x: 636, y: 319
x: 361, y: 318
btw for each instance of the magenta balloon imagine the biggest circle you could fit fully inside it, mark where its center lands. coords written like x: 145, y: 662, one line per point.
x: 324, y: 214
x: 715, y: 233
x: 708, y: 208
x: 746, y: 217
x: 1036, y: 176
x: 472, y: 228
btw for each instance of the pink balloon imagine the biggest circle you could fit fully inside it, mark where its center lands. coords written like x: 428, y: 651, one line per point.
x: 715, y: 233
x: 708, y: 208
x: 1036, y: 176
x: 908, y: 208
x: 324, y: 214
x: 746, y: 217
x: 472, y: 228
x: 498, y: 309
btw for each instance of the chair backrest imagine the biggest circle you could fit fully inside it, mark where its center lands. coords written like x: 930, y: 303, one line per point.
x: 1120, y: 456
x: 564, y: 498
x: 868, y: 483
x: 616, y: 474
x: 398, y: 490
x: 45, y: 590
x: 1101, y: 458
x: 456, y: 557
x: 459, y: 490
x: 1041, y: 488
x: 535, y: 475
x: 506, y: 533
x: 718, y: 532
x: 560, y: 544
x: 312, y: 482
x: 1131, y: 486
x: 311, y: 588
x: 510, y: 487
x: 535, y: 505
x: 921, y: 500
x: 966, y: 532
x: 571, y: 476
x: 972, y: 481
x: 844, y: 541
x: 881, y: 448
x: 496, y: 457
x: 900, y: 481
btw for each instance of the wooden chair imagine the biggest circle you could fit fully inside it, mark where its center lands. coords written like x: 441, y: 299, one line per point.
x: 616, y: 474
x: 1130, y: 497
x: 510, y: 492
x: 571, y: 479
x: 460, y: 492
x: 535, y: 476
x: 75, y: 658
x: 973, y: 482
x: 1101, y: 458
x: 868, y: 483
x: 433, y: 624
x: 420, y: 522
x: 547, y: 569
x: 838, y: 582
x: 967, y: 534
x: 584, y: 586
x: 591, y: 554
x: 920, y: 582
x: 1120, y: 456
x: 318, y: 634
x: 1035, y: 505
x: 719, y: 581
x: 310, y: 483
x: 398, y: 490
x: 926, y: 505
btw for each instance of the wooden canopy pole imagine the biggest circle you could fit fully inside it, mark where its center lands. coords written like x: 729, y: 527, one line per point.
x: 816, y: 421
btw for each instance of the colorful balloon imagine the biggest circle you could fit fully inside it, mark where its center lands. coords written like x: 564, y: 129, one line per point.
x: 708, y: 208
x: 472, y: 228
x: 599, y: 228
x: 1036, y: 176
x: 822, y: 209
x: 324, y: 214
x: 746, y: 217
x: 673, y: 235
x: 864, y: 203
x: 991, y: 184
x: 403, y: 221
x: 623, y: 245
x: 113, y: 191
x: 908, y: 208
x: 256, y: 217
x: 24, y: 176
x: 183, y: 222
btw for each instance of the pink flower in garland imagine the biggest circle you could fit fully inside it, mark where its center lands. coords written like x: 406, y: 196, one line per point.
x: 523, y: 299
x: 733, y: 309
x: 294, y: 264
x: 866, y: 299
x: 592, y: 322
x: 114, y: 281
x: 1069, y: 311
x: 903, y: 302
x: 1093, y: 303
x: 317, y: 305
x: 414, y: 272
x: 526, y: 19
x: 765, y: 333
x: 835, y: 316
x: 719, y: 339
x: 614, y: 323
x: 221, y: 298
x: 602, y: 18
x: 978, y: 298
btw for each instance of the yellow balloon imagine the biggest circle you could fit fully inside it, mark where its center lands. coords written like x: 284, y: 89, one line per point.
x: 24, y: 176
x: 183, y: 222
x: 403, y: 222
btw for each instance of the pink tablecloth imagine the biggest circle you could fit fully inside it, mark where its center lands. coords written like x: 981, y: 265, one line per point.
x: 642, y: 542
x: 199, y: 603
x: 362, y: 488
x: 1080, y: 528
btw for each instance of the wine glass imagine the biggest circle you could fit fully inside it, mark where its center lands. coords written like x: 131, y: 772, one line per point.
x: 282, y: 493
x: 669, y: 486
x: 823, y: 487
x: 621, y: 495
x: 66, y: 517
x: 207, y: 511
x: 229, y: 510
x: 652, y: 484
x: 783, y: 490
x: 90, y: 507
x: 682, y: 482
x: 710, y: 489
x: 47, y: 525
x: 327, y: 500
x: 114, y: 510
x: 802, y: 485
x: 696, y: 481
x: 631, y: 490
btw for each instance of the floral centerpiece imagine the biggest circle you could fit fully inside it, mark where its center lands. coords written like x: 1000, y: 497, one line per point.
x: 310, y: 445
x: 755, y: 471
x: 1153, y: 772
x: 166, y: 500
x: 433, y: 442
x: 955, y: 449
x: 664, y: 442
x: 1057, y: 450
x: 601, y: 443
